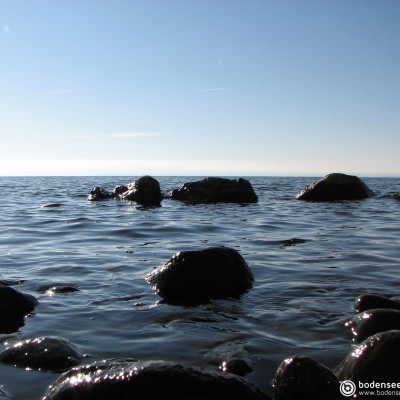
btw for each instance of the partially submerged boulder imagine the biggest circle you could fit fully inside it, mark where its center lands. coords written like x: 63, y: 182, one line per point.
x: 301, y: 377
x: 145, y: 191
x: 336, y: 187
x: 189, y: 276
x: 151, y: 380
x: 14, y: 302
x: 43, y: 353
x: 374, y: 359
x: 99, y: 193
x: 215, y: 190
x: 372, y: 301
x: 370, y: 322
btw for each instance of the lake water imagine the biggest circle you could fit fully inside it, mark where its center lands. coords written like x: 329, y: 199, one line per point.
x: 301, y: 293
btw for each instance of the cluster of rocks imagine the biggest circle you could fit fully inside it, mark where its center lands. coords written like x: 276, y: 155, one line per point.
x: 146, y: 191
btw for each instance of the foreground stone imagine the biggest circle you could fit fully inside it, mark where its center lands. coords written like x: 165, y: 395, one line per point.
x: 151, y: 380
x: 45, y: 353
x: 374, y: 359
x: 99, y: 193
x: 336, y: 187
x: 217, y: 272
x: 145, y: 191
x: 370, y: 322
x: 370, y: 301
x: 300, y: 377
x: 215, y: 190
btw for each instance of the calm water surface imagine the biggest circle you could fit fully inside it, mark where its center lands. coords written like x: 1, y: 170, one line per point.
x: 300, y: 296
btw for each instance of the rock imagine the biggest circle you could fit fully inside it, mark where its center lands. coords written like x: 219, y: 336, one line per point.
x: 374, y: 359
x: 396, y: 196
x: 145, y: 191
x: 336, y: 187
x: 51, y: 288
x: 13, y: 301
x: 151, y: 380
x: 214, y: 190
x: 45, y: 353
x: 300, y: 377
x: 98, y: 193
x: 230, y: 357
x: 120, y: 189
x: 370, y: 322
x: 199, y: 275
x: 370, y: 301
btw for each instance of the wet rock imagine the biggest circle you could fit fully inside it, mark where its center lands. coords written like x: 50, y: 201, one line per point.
x: 52, y: 288
x: 370, y: 322
x: 13, y: 301
x: 52, y: 205
x: 151, y: 380
x: 44, y: 353
x: 336, y: 187
x: 120, y: 189
x: 292, y: 242
x: 99, y: 193
x: 370, y: 301
x: 230, y: 357
x: 215, y: 190
x: 396, y: 196
x: 300, y: 378
x: 216, y: 272
x: 374, y: 359
x: 145, y: 191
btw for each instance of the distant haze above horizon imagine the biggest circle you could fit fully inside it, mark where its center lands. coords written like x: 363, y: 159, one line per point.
x: 185, y: 87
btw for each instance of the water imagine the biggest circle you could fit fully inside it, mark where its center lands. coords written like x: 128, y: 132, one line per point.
x: 300, y: 297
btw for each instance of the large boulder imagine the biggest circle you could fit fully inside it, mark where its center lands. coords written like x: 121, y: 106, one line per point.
x: 336, y: 187
x: 301, y: 377
x: 371, y: 301
x: 211, y: 273
x: 214, y: 190
x: 370, y: 322
x: 151, y: 380
x: 374, y: 359
x: 44, y: 353
x: 145, y: 191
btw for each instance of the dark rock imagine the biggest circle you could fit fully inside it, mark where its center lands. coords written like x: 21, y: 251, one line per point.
x: 214, y: 190
x: 300, y: 378
x: 52, y: 288
x: 370, y: 322
x: 98, y: 193
x: 120, y: 189
x: 13, y: 301
x: 292, y: 242
x: 371, y: 301
x: 151, y: 380
x: 44, y: 353
x: 230, y: 357
x: 145, y: 191
x: 374, y: 359
x: 216, y: 272
x: 336, y: 187
x: 52, y: 205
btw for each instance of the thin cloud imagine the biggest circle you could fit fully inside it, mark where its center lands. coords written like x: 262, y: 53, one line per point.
x: 216, y: 89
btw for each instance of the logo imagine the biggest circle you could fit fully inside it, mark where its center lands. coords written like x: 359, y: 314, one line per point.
x: 347, y: 388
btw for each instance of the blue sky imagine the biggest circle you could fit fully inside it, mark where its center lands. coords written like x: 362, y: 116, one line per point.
x: 199, y: 87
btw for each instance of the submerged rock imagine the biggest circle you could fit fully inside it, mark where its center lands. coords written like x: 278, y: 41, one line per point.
x: 370, y: 301
x: 52, y: 288
x: 336, y: 187
x: 230, y: 357
x: 370, y: 322
x: 151, y: 380
x: 44, y: 353
x: 300, y: 377
x: 216, y: 272
x: 145, y: 191
x: 374, y: 359
x: 99, y: 193
x: 215, y: 190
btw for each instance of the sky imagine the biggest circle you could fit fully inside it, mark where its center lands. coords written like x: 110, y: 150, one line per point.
x: 199, y: 87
